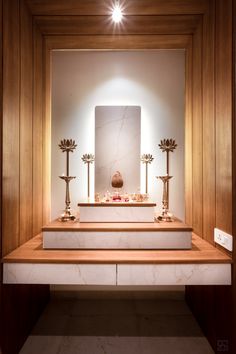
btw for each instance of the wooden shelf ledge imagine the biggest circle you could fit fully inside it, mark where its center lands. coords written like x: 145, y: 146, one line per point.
x: 201, y: 252
x: 176, y: 225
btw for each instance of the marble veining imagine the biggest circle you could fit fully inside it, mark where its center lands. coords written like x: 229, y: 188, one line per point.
x: 83, y: 274
x: 117, y: 240
x: 117, y: 214
x: 178, y: 274
x: 117, y: 146
x: 117, y: 275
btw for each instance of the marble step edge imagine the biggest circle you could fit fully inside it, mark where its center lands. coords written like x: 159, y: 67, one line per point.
x: 117, y: 240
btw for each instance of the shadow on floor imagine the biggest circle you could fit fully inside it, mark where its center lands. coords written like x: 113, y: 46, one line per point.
x: 116, y: 326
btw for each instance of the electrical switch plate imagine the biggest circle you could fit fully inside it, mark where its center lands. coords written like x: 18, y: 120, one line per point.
x: 223, y: 239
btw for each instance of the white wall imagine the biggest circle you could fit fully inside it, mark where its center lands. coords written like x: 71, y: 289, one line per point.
x: 153, y: 80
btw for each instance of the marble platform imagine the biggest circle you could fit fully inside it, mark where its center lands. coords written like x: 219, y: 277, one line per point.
x: 76, y: 235
x: 203, y: 264
x: 117, y: 212
x: 117, y: 274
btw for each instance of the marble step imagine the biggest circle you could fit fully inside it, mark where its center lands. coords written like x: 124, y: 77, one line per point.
x: 76, y: 235
x: 117, y: 212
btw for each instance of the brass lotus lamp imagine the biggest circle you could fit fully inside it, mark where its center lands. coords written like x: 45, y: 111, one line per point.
x: 67, y: 145
x: 166, y: 145
x: 88, y: 159
x: 146, y: 159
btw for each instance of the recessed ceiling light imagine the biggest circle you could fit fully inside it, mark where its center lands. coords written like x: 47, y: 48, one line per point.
x: 117, y: 13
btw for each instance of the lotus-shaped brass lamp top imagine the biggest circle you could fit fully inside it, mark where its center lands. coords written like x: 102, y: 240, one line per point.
x: 88, y: 158
x: 67, y: 145
x: 167, y: 145
x: 147, y: 158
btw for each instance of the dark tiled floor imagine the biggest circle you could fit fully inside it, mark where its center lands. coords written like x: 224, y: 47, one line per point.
x: 163, y: 325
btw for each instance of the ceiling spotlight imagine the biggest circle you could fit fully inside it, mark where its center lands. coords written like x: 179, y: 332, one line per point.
x: 117, y: 13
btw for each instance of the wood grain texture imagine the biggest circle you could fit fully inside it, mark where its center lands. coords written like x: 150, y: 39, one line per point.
x: 19, y: 306
x: 176, y: 225
x: 208, y: 125
x: 33, y: 252
x: 97, y: 25
x: 197, y: 138
x: 121, y: 42
x: 131, y: 7
x: 223, y: 94
x: 46, y: 133
x: 213, y: 306
x: 37, y: 131
x: 188, y: 164
x: 26, y: 138
x: 11, y: 126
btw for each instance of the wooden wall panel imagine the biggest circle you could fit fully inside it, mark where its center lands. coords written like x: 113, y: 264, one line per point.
x: 11, y: 126
x: 46, y: 135
x: 223, y: 87
x: 214, y: 307
x: 20, y: 306
x: 97, y: 25
x: 188, y: 135
x: 26, y: 142
x: 125, y: 42
x: 208, y: 131
x: 37, y: 149
x: 131, y: 7
x: 197, y: 139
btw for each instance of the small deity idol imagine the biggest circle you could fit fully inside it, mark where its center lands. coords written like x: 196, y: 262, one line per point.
x: 117, y: 180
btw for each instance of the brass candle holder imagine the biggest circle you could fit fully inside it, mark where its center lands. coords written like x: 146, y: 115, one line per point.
x: 167, y: 145
x: 165, y: 215
x: 88, y: 159
x: 67, y: 146
x: 147, y: 159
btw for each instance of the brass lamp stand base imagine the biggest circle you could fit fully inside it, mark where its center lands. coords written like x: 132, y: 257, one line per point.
x: 67, y: 216
x: 165, y: 214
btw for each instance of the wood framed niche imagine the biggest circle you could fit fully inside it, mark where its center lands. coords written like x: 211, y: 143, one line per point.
x: 199, y: 27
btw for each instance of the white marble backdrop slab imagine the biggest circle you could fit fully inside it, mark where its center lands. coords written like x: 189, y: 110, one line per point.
x: 117, y: 146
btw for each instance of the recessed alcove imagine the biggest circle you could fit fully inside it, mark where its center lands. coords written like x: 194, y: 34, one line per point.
x: 83, y: 82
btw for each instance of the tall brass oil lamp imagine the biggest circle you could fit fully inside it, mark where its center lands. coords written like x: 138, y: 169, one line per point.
x: 88, y: 159
x: 67, y: 145
x: 146, y: 159
x: 166, y: 145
